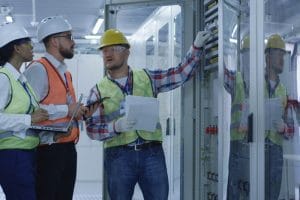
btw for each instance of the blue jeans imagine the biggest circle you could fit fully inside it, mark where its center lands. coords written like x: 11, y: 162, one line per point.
x: 239, y: 170
x: 17, y: 174
x: 238, y: 178
x: 125, y: 167
x: 273, y: 169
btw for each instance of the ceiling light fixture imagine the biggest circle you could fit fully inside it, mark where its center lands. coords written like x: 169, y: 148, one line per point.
x: 97, y: 25
x: 92, y: 37
x: 9, y: 19
x: 233, y: 40
x: 234, y: 31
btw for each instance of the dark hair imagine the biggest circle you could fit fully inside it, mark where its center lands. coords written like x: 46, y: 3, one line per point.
x: 7, y: 50
x: 46, y: 40
x: 125, y: 45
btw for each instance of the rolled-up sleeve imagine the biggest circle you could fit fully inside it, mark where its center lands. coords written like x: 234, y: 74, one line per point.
x: 97, y: 127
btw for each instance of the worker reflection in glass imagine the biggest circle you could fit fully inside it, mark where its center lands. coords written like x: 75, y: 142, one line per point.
x: 49, y: 77
x: 276, y: 99
x: 18, y: 110
x: 275, y: 95
x: 134, y: 156
x: 237, y: 84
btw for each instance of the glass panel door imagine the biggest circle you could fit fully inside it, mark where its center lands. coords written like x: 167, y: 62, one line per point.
x: 282, y: 147
x: 236, y: 66
x: 155, y: 43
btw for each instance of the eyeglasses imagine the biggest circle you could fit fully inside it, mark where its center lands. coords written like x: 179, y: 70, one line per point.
x: 69, y: 36
x: 112, y: 49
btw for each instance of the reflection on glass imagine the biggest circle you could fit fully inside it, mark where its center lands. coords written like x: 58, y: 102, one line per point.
x: 275, y: 102
x: 163, y: 45
x: 237, y: 84
x: 282, y: 147
x: 177, y: 37
x: 150, y: 48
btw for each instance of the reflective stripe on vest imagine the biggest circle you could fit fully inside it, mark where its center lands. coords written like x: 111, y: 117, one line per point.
x: 280, y: 91
x: 57, y: 95
x: 236, y: 109
x: 236, y: 113
x: 141, y: 87
x: 19, y: 104
x: 29, y: 132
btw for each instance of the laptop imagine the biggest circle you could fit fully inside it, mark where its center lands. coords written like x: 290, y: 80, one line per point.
x: 56, y: 128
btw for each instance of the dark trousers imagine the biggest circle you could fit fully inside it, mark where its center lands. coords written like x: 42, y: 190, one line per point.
x: 17, y: 174
x: 56, y: 171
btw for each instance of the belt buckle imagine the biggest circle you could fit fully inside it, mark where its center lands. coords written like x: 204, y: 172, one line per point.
x: 136, y: 147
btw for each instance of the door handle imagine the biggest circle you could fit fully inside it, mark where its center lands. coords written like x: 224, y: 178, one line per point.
x: 250, y: 127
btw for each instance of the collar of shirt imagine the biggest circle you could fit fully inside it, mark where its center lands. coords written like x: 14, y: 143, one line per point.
x: 127, y: 86
x: 129, y: 72
x: 19, y: 76
x: 16, y: 74
x: 60, y: 66
x: 122, y: 81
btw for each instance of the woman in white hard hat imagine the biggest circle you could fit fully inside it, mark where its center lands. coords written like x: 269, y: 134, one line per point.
x: 18, y: 110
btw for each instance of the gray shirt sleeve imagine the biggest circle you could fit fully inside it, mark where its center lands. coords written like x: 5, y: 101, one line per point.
x: 37, y: 77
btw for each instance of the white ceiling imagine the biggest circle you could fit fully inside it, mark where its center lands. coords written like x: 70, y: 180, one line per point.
x: 82, y: 14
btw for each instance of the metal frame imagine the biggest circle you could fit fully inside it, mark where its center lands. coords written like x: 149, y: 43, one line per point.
x: 221, y: 120
x: 199, y: 110
x: 257, y: 99
x: 190, y: 100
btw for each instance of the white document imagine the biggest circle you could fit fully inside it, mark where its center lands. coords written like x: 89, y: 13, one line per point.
x: 245, y: 114
x: 273, y: 112
x: 20, y: 134
x: 145, y: 110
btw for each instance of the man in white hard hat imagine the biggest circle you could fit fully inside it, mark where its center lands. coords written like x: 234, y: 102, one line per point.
x: 49, y: 77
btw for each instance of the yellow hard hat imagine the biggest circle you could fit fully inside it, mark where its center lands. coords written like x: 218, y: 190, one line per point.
x: 112, y: 37
x: 275, y: 41
x: 245, y: 44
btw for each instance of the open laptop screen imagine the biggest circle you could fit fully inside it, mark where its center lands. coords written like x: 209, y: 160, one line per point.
x: 60, y: 129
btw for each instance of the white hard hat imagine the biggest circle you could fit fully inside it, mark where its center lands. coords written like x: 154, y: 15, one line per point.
x: 52, y: 25
x: 10, y: 32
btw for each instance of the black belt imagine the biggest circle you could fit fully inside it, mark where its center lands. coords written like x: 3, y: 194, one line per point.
x: 139, y: 147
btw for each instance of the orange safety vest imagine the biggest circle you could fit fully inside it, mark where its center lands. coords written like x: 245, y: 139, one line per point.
x: 57, y: 94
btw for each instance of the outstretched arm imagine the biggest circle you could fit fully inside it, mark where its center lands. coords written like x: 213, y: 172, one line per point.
x: 166, y: 80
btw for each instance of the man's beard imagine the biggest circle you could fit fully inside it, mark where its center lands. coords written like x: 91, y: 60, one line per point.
x: 115, y: 67
x: 66, y: 53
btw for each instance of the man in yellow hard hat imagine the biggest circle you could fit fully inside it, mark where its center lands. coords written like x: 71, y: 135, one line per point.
x: 275, y: 129
x: 237, y: 84
x: 134, y: 156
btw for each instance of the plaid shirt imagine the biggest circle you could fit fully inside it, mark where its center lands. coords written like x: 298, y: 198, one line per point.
x: 229, y: 81
x: 162, y: 81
